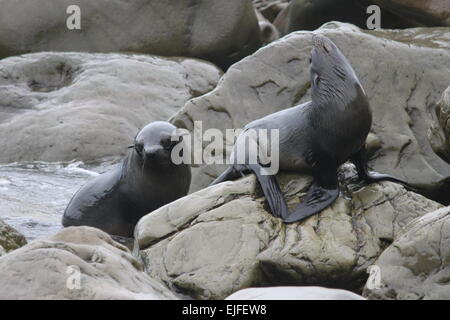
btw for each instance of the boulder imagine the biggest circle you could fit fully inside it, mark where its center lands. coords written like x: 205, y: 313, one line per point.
x: 10, y: 239
x: 293, y: 293
x: 64, y: 106
x: 311, y: 14
x: 222, y: 239
x: 269, y: 32
x: 220, y: 31
x: 439, y: 131
x: 416, y: 266
x: 77, y: 263
x: 400, y: 93
x: 270, y: 9
x: 428, y: 13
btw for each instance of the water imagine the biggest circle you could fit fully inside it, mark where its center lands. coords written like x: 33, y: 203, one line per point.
x: 33, y: 196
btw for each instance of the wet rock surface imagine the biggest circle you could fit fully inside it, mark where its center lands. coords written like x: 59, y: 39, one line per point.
x: 10, y: 239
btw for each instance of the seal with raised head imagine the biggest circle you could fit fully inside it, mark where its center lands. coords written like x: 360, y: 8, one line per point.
x: 316, y: 137
x: 145, y: 180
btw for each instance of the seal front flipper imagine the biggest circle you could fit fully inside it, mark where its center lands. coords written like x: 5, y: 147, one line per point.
x: 360, y: 161
x: 320, y: 196
x: 232, y: 173
x: 272, y: 192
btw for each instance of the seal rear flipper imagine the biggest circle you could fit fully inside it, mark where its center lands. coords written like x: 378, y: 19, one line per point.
x: 360, y: 161
x: 317, y: 199
x: 271, y: 191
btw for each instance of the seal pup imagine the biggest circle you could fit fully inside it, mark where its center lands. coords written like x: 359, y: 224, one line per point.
x: 145, y: 180
x: 316, y: 137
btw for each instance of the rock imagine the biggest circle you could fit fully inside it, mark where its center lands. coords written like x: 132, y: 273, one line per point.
x: 417, y: 265
x: 428, y: 13
x: 294, y: 293
x: 10, y: 239
x: 311, y: 14
x: 48, y: 269
x: 64, y: 106
x: 221, y: 239
x: 270, y: 9
x: 220, y: 31
x: 439, y: 132
x: 269, y: 32
x: 400, y: 94
x: 281, y: 21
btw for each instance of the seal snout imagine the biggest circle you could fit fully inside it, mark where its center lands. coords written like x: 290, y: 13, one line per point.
x: 153, y: 152
x: 322, y: 43
x: 155, y: 155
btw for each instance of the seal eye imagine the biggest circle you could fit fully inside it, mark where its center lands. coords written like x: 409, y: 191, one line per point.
x: 168, y: 143
x: 139, y: 147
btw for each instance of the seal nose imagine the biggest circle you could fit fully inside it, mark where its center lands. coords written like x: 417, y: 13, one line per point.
x: 152, y: 151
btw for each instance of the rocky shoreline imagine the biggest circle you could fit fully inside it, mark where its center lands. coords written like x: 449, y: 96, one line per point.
x: 83, y: 96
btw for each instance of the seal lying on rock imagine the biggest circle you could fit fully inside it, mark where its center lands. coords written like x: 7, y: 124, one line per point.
x: 144, y: 181
x: 315, y: 137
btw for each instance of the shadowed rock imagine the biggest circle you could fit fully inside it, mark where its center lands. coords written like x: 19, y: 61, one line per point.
x: 219, y: 31
x: 10, y: 239
x: 439, y: 132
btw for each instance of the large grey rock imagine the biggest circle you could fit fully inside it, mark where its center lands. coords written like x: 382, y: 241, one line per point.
x: 439, y: 132
x: 220, y: 31
x: 269, y: 32
x: 64, y: 106
x: 427, y: 13
x: 10, y: 238
x: 417, y: 264
x: 311, y: 14
x: 270, y: 9
x: 47, y: 269
x: 400, y: 93
x: 293, y: 293
x: 221, y: 239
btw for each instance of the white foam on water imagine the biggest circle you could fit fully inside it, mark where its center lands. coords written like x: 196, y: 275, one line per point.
x: 33, y: 195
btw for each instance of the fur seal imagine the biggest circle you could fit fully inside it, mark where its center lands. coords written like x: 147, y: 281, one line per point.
x: 316, y: 137
x: 145, y: 180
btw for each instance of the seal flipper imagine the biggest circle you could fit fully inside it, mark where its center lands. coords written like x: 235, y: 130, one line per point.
x: 320, y: 196
x: 272, y: 192
x: 360, y: 161
x: 232, y: 173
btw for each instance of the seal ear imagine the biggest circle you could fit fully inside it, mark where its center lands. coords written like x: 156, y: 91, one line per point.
x: 130, y: 147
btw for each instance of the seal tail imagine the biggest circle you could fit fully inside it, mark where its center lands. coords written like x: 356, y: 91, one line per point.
x: 272, y: 192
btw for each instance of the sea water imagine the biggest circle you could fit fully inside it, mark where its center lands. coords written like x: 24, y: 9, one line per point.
x: 33, y: 196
